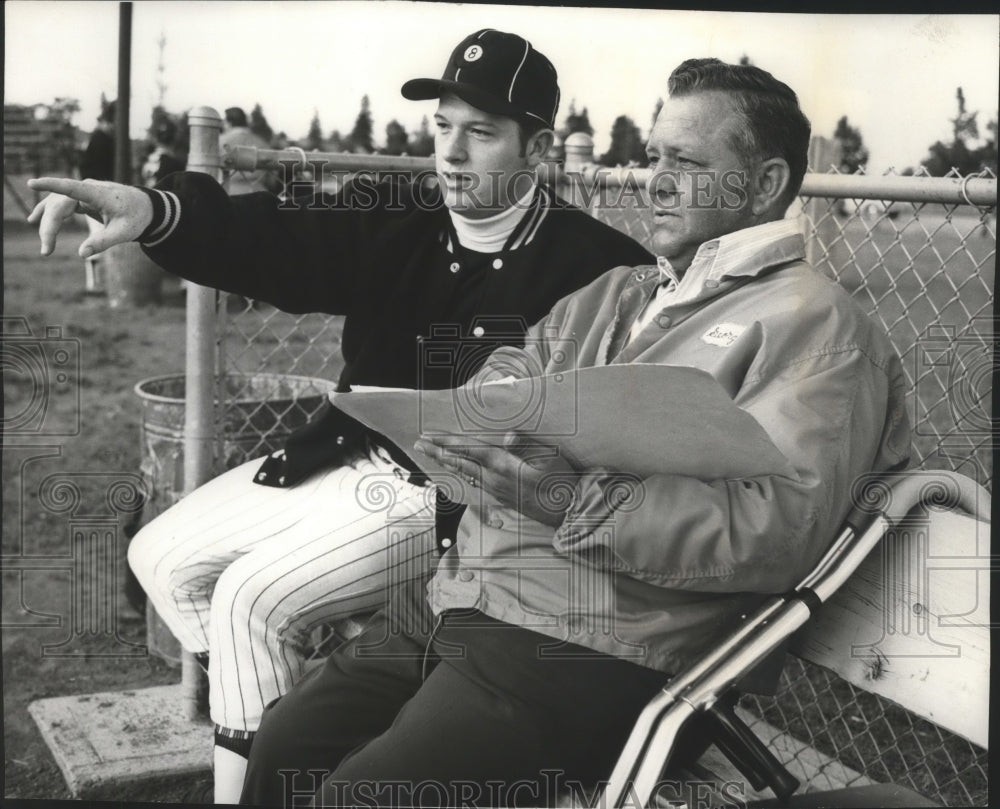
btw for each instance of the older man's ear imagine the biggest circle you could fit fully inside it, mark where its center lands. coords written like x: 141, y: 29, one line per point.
x: 770, y: 187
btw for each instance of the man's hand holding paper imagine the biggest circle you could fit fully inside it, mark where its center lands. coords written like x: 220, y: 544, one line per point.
x: 532, y: 478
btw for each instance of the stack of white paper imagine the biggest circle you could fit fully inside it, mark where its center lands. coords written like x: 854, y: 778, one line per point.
x: 640, y: 419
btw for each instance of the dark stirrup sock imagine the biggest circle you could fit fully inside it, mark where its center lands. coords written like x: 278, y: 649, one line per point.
x: 238, y: 741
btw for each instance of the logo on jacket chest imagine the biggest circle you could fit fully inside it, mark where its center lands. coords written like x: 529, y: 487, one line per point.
x: 723, y: 334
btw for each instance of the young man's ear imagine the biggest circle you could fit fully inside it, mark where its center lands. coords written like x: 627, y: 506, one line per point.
x: 538, y: 146
x: 770, y: 183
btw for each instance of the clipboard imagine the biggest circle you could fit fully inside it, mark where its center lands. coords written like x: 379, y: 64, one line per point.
x: 641, y: 419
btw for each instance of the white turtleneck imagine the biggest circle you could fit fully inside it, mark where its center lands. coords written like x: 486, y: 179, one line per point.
x: 489, y: 235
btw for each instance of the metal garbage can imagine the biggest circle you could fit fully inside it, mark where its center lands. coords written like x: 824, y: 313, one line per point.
x: 259, y: 412
x: 131, y: 278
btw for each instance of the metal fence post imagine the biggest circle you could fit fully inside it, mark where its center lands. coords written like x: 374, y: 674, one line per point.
x: 579, y: 155
x: 199, y: 391
x: 548, y: 169
x: 824, y: 154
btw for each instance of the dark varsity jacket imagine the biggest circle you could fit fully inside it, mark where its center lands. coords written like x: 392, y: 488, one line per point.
x: 421, y: 310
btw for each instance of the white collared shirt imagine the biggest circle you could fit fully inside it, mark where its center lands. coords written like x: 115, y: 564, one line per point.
x: 712, y: 262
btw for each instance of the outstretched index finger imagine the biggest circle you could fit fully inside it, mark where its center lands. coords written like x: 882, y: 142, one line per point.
x: 87, y: 193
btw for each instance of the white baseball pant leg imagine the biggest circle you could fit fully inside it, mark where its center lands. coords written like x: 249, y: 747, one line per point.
x: 246, y: 571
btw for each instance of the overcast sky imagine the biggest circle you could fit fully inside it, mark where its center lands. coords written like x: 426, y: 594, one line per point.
x: 894, y: 76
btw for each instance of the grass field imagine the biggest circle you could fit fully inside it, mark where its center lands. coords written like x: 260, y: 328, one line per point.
x: 88, y: 438
x: 54, y: 482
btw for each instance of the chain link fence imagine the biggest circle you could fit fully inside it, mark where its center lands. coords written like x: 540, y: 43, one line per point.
x: 924, y: 271
x: 863, y: 738
x: 273, y: 369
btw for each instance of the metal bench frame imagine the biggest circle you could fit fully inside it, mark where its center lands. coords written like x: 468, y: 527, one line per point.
x: 883, y: 504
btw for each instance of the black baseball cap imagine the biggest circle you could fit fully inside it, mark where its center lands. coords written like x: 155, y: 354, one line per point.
x: 498, y: 73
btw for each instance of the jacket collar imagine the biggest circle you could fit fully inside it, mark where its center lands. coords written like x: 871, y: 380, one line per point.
x: 524, y: 232
x: 747, y: 252
x: 742, y: 254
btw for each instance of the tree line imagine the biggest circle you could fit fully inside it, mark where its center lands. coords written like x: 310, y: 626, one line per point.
x: 970, y: 149
x: 627, y: 146
x: 966, y: 152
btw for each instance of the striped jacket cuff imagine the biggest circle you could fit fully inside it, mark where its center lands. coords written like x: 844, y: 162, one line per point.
x: 166, y: 215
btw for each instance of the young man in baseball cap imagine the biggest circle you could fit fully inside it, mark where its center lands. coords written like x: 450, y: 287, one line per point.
x: 502, y: 75
x: 244, y: 567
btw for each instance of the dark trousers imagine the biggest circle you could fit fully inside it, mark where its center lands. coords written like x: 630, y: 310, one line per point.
x: 459, y: 711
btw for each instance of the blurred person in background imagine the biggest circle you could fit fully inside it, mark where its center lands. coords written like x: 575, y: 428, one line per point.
x: 98, y: 163
x: 164, y: 159
x: 237, y: 132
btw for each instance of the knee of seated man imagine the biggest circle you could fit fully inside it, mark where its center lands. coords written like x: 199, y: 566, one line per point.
x: 143, y: 553
x: 238, y: 596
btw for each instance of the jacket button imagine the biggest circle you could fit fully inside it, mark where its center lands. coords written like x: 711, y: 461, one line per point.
x: 711, y: 284
x: 446, y: 543
x: 479, y: 331
x: 466, y: 575
x: 497, y: 263
x: 455, y: 267
x: 663, y: 321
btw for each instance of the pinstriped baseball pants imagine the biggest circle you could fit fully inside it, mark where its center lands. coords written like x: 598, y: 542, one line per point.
x: 245, y: 572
